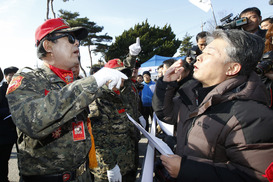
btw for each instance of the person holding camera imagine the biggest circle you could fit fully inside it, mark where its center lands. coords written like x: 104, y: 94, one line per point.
x: 224, y: 125
x: 254, y: 19
x: 196, y: 50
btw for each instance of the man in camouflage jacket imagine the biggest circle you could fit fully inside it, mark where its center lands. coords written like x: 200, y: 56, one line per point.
x: 116, y: 138
x: 50, y: 110
x: 114, y: 135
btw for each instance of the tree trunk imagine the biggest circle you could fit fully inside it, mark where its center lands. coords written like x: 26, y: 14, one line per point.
x: 83, y: 70
x: 54, y: 15
x: 89, y: 50
x: 81, y: 65
x: 47, y: 9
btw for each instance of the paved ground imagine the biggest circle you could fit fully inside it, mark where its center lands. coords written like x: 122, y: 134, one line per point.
x: 14, y: 172
x: 13, y: 167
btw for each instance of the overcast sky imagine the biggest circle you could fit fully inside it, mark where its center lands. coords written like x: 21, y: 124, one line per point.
x: 20, y: 18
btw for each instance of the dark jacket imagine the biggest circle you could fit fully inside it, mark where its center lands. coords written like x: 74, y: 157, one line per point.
x: 8, y: 133
x: 261, y: 33
x: 227, y: 137
x: 1, y: 75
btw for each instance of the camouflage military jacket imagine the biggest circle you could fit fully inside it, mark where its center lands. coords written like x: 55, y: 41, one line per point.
x: 45, y: 109
x: 114, y: 134
x: 130, y: 98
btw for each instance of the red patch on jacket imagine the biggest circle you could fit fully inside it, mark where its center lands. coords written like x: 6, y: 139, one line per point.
x: 14, y: 84
x: 269, y: 173
x: 117, y: 92
x: 134, y: 89
x: 46, y: 92
x: 121, y: 111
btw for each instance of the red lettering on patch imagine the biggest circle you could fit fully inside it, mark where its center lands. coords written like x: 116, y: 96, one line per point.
x: 14, y: 84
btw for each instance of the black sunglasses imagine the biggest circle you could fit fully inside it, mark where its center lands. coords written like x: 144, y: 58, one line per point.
x: 71, y: 38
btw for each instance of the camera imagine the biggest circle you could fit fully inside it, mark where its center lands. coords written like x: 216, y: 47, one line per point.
x: 235, y: 23
x: 139, y: 86
x: 266, y: 64
x: 192, y: 54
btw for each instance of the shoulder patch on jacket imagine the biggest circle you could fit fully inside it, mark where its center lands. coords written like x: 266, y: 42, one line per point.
x: 14, y: 84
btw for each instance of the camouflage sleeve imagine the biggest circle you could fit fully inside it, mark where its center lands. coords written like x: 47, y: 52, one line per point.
x: 130, y: 98
x: 130, y: 61
x: 38, y: 113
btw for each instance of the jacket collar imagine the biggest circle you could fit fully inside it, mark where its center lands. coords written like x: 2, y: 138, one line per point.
x: 53, y: 78
x: 239, y: 87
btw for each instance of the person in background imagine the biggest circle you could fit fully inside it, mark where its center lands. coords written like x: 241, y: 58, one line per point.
x: 201, y: 40
x: 219, y: 112
x: 94, y: 69
x: 146, y: 97
x: 254, y: 19
x: 166, y: 64
x: 138, y: 86
x: 135, y: 71
x: 8, y: 135
x: 115, y: 136
x: 197, y: 49
x: 159, y: 71
x: 140, y: 78
x: 1, y: 75
x: 265, y: 23
x: 50, y: 109
x: 264, y: 66
x: 269, y: 39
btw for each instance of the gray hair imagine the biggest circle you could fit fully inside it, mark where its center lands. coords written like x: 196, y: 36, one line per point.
x: 244, y: 48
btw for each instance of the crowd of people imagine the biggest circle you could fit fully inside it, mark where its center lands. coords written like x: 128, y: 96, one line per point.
x: 72, y: 128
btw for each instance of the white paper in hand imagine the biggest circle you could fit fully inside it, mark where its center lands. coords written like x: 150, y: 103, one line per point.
x: 161, y: 146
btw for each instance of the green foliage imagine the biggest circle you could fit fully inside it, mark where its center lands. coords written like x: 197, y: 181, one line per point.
x: 153, y: 40
x: 93, y: 30
x: 186, y: 45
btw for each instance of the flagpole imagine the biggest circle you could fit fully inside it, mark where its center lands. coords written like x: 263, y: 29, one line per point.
x: 213, y: 14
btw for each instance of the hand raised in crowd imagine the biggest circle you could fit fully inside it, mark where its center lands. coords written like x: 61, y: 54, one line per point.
x: 175, y: 72
x: 135, y: 48
x: 172, y: 164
